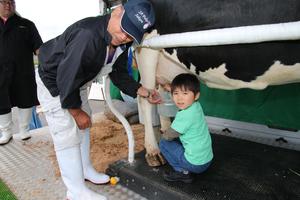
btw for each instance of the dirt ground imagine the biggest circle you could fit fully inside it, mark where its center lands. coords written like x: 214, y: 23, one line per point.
x: 109, y: 142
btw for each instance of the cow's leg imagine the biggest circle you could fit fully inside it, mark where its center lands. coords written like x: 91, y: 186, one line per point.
x: 147, y: 61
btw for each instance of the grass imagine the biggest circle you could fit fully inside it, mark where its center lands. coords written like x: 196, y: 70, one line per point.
x: 5, y: 193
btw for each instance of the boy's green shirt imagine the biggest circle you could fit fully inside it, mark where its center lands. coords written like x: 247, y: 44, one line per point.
x: 194, y: 134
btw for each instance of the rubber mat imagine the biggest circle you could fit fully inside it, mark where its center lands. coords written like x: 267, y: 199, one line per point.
x: 241, y: 170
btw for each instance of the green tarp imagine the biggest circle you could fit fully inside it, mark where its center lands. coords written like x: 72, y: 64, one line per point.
x: 277, y: 106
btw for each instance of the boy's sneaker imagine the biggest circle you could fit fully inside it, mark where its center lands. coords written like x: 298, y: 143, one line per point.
x: 172, y: 176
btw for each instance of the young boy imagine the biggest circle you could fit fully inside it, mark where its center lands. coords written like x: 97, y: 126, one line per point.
x: 186, y: 145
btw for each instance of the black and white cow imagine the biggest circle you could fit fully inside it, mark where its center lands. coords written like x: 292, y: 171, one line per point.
x: 224, y: 66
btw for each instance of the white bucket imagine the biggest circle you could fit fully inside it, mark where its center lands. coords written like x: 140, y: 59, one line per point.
x: 167, y: 108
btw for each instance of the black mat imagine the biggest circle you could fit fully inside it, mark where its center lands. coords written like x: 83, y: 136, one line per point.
x: 241, y: 170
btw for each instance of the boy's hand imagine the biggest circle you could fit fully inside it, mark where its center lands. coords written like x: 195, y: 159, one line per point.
x: 167, y: 87
x: 169, y: 134
x: 164, y: 83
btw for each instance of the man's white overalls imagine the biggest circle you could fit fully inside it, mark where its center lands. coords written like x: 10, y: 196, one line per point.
x: 71, y: 144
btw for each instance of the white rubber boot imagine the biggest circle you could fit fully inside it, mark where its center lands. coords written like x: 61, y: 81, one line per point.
x: 70, y: 165
x: 5, y: 128
x: 24, y: 121
x: 89, y: 171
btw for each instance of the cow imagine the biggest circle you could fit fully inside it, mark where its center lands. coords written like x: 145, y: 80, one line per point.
x: 225, y: 66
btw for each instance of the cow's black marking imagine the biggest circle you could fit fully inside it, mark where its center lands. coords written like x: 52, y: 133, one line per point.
x: 243, y: 61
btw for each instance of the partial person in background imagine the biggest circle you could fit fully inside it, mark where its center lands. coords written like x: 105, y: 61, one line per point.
x: 186, y: 145
x: 19, y: 40
x: 68, y: 64
x: 35, y: 122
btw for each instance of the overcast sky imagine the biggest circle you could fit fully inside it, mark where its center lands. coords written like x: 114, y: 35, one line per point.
x: 52, y: 17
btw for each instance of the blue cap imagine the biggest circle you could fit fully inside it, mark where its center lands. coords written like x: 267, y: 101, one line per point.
x: 137, y: 18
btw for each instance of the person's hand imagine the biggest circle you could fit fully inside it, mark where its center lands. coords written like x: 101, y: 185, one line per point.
x: 81, y: 118
x: 164, y: 83
x: 143, y: 92
x: 151, y: 95
x: 154, y: 97
x: 167, y: 87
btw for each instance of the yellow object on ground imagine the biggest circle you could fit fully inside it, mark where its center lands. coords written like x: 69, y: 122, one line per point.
x: 114, y: 180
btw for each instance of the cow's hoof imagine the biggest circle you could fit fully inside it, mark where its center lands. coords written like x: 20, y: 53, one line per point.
x: 155, y: 160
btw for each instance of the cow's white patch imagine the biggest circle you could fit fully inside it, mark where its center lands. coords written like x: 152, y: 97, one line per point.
x: 277, y: 74
x: 169, y: 66
x: 281, y: 74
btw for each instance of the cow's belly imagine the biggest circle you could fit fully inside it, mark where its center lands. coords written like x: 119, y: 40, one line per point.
x: 169, y: 66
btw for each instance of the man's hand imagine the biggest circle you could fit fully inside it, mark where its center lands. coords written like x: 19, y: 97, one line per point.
x: 82, y: 119
x: 151, y: 95
x: 164, y: 83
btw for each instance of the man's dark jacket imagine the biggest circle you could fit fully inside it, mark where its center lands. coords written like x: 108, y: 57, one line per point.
x: 74, y: 58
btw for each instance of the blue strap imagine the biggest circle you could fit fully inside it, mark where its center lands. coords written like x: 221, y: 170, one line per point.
x: 129, y: 62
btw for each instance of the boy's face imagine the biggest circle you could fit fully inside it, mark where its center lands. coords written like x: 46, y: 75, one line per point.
x: 184, y: 98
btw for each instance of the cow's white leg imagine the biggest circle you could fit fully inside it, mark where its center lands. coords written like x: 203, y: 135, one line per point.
x: 147, y: 62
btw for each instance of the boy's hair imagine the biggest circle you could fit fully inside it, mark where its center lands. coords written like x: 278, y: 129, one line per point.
x: 187, y: 82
